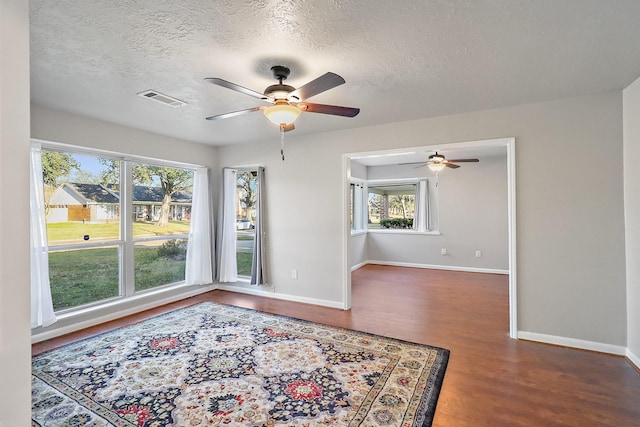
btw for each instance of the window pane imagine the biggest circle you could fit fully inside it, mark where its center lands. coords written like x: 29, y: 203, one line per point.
x: 83, y: 276
x: 391, y: 206
x: 82, y: 201
x: 352, y: 205
x: 159, y: 262
x: 161, y: 200
x: 244, y: 255
x: 161, y: 203
x: 247, y: 196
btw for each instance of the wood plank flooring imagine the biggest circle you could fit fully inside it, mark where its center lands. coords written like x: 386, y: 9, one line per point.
x: 491, y: 379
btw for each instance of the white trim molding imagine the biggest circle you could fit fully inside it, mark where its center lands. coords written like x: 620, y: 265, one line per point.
x: 56, y: 332
x: 575, y: 343
x: 359, y: 266
x: 285, y: 297
x: 633, y: 358
x: 434, y: 267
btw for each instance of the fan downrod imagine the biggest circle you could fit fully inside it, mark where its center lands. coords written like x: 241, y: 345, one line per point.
x: 280, y: 90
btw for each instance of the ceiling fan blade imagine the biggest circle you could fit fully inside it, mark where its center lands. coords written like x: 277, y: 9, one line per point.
x: 329, y: 109
x: 463, y: 160
x: 451, y: 165
x: 323, y: 83
x: 237, y: 88
x: 234, y: 113
x: 412, y: 163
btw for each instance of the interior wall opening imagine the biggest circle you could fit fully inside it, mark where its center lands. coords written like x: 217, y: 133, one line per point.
x: 462, y: 219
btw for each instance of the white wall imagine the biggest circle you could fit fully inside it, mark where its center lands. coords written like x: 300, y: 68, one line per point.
x: 358, y: 170
x: 631, y: 99
x: 67, y: 128
x: 358, y: 248
x: 15, y: 349
x: 571, y: 279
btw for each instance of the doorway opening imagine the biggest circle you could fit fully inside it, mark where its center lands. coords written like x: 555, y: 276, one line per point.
x: 467, y: 221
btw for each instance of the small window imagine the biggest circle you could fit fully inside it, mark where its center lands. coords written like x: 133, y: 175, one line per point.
x: 247, y: 189
x: 392, y: 206
x: 357, y: 209
x: 401, y: 206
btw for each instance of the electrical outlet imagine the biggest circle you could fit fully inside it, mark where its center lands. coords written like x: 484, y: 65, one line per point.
x: 443, y: 251
x: 478, y: 254
x: 294, y: 274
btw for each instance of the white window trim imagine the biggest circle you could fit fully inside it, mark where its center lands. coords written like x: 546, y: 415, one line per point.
x: 403, y: 231
x: 359, y: 206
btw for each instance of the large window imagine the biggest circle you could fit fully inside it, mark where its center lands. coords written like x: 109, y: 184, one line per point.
x: 114, y: 227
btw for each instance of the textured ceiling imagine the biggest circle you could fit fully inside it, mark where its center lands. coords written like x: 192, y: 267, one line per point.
x: 401, y: 60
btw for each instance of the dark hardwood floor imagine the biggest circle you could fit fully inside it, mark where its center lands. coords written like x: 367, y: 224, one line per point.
x: 491, y: 379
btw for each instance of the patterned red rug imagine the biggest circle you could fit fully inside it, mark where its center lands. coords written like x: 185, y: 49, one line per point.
x: 217, y: 365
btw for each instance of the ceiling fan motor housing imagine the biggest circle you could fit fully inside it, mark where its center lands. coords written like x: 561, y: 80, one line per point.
x: 278, y: 91
x: 436, y: 158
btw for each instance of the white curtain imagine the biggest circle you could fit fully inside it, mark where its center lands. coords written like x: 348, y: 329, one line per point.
x: 199, y: 268
x: 258, y: 262
x: 41, y: 303
x: 420, y: 219
x: 227, y: 262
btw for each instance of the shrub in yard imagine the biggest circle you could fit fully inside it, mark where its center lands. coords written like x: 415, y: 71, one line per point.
x: 396, y: 223
x: 173, y: 249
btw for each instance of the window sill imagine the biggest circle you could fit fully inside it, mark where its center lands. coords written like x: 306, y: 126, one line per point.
x: 73, y: 320
x: 404, y: 231
x: 358, y: 232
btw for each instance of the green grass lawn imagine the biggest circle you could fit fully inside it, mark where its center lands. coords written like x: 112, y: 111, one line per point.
x: 70, y: 232
x: 244, y: 263
x: 84, y: 276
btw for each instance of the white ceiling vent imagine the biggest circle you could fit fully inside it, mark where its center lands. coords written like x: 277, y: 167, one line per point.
x: 164, y: 99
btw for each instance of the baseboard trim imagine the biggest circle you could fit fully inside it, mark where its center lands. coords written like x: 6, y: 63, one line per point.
x: 53, y: 333
x: 633, y: 358
x: 285, y: 297
x: 437, y: 267
x: 574, y: 343
x: 357, y: 266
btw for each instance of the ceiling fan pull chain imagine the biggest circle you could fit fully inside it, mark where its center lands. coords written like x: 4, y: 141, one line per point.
x: 282, y: 126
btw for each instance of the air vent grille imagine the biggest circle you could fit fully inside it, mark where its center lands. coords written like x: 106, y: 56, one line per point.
x: 163, y: 99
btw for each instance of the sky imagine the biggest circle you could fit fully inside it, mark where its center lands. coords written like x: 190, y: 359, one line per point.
x: 89, y: 164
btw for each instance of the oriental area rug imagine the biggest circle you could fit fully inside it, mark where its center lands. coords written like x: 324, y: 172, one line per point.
x: 218, y: 365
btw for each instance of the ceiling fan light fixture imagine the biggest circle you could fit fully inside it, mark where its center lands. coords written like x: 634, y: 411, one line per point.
x: 437, y: 167
x: 436, y: 158
x: 282, y: 113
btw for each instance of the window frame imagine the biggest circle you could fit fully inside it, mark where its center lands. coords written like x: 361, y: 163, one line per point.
x: 430, y: 214
x: 126, y: 241
x: 246, y: 278
x: 357, y: 209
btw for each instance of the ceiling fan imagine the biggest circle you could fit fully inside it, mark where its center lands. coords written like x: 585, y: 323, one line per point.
x: 287, y: 101
x: 437, y: 162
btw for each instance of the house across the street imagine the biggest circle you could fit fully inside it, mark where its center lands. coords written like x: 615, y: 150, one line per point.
x: 96, y: 203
